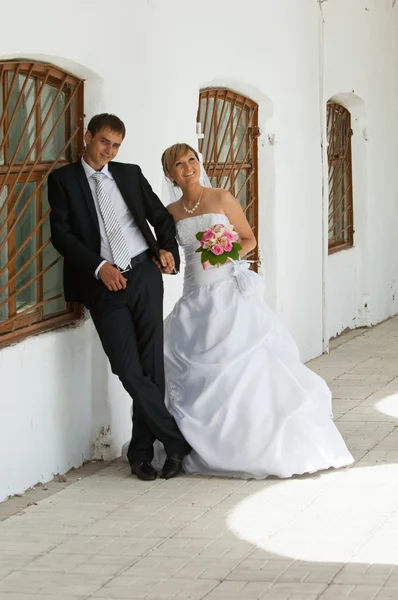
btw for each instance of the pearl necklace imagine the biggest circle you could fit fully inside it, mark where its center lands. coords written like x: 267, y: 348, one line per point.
x: 192, y: 210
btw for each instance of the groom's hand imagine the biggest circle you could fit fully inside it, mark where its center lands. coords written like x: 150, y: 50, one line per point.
x: 112, y: 278
x: 166, y: 264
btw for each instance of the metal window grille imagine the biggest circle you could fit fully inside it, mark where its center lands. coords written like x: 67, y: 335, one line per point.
x: 230, y: 125
x: 41, y: 127
x: 339, y: 133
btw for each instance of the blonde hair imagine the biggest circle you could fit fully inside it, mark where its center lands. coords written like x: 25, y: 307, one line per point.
x: 174, y: 153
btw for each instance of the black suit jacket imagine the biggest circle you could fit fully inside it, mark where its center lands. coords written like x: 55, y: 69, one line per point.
x: 75, y: 230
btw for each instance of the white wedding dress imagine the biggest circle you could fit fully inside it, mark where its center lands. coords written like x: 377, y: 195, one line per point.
x: 235, y: 383
x: 234, y: 380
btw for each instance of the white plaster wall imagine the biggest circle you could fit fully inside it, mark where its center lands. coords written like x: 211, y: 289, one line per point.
x: 58, y: 399
x: 273, y: 59
x: 46, y: 407
x: 146, y: 61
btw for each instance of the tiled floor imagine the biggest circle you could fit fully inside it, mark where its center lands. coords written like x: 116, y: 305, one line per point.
x: 329, y: 536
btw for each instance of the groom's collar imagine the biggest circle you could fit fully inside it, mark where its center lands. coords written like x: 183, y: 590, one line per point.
x: 89, y: 171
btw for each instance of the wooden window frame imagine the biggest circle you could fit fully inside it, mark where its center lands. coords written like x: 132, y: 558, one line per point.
x: 339, y: 133
x: 15, y: 172
x: 231, y: 169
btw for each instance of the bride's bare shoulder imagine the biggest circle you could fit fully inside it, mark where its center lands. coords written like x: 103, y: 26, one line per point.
x: 219, y: 195
x: 173, y: 208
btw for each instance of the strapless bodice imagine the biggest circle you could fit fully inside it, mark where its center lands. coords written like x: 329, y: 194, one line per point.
x: 194, y: 275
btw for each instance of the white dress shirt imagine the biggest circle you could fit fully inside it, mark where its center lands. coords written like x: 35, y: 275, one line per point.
x: 133, y: 235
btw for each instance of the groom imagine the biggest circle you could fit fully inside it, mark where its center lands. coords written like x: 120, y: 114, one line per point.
x: 99, y: 223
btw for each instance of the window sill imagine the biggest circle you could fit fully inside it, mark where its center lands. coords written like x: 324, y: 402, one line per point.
x: 75, y: 317
x: 348, y: 246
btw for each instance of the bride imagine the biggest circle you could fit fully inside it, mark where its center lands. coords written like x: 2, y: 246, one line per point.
x: 236, y: 386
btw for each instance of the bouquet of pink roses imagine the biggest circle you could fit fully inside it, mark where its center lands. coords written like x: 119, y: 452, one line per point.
x: 217, y: 244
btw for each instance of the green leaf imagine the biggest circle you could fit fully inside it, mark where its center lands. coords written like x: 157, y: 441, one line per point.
x: 200, y: 249
x: 234, y: 254
x: 236, y: 246
x: 222, y: 259
x: 206, y: 255
x: 199, y: 235
x: 213, y: 259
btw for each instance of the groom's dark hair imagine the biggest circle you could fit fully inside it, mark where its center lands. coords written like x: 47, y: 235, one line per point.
x: 106, y: 121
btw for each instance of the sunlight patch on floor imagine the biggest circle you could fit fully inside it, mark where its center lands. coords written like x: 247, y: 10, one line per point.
x: 388, y: 406
x: 332, y: 517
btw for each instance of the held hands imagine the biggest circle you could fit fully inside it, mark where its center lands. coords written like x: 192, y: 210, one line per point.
x: 166, y: 264
x: 112, y: 278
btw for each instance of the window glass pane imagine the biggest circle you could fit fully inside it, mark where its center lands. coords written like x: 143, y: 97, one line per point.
x: 339, y: 203
x: 222, y: 181
x: 330, y: 216
x: 240, y: 139
x: 52, y: 279
x: 71, y: 153
x: 346, y: 203
x: 25, y: 104
x: 225, y: 129
x: 28, y: 296
x: 240, y: 188
x: 339, y: 190
x: 57, y: 139
x: 3, y: 255
x: 208, y: 132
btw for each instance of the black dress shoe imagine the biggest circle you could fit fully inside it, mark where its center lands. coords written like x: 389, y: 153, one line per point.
x: 172, y: 467
x: 144, y: 470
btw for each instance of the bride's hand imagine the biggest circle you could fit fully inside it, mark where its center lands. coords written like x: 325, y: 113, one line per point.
x: 166, y: 264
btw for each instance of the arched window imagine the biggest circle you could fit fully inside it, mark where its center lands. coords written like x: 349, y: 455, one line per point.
x: 41, y: 127
x: 229, y: 147
x: 339, y: 132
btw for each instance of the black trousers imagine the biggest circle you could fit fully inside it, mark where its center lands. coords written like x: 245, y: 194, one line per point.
x: 130, y: 325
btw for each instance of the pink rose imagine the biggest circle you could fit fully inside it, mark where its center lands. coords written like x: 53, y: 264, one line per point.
x: 207, y: 237
x: 217, y: 249
x: 219, y: 231
x: 230, y: 235
x: 226, y: 244
x: 208, y: 243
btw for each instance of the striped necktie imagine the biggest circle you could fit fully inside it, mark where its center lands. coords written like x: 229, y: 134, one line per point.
x: 117, y: 241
